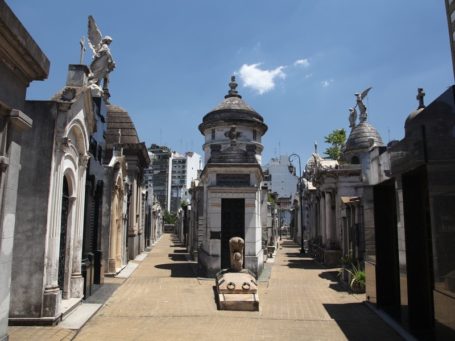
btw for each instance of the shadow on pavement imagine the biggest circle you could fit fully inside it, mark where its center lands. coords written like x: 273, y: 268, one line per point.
x: 180, y: 251
x: 179, y: 269
x: 305, y: 263
x: 293, y: 246
x: 103, y: 293
x: 177, y: 245
x: 293, y: 254
x: 177, y: 256
x: 357, y: 322
x: 332, y: 276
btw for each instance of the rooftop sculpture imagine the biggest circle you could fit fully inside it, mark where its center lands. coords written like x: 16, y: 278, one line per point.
x: 362, y: 108
x: 102, y: 63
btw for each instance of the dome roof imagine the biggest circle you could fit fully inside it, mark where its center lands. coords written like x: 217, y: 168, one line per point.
x: 362, y: 137
x: 233, y: 110
x: 117, y: 119
x: 233, y: 103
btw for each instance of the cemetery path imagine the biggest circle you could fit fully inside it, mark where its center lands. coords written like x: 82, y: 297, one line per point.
x: 164, y: 300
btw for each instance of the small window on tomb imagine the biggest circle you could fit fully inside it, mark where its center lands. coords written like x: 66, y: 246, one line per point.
x: 213, y: 134
x: 355, y: 160
x: 100, y: 153
x: 93, y: 147
x: 255, y: 134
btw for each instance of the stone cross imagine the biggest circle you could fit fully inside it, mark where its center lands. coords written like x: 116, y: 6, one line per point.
x: 419, y: 97
x: 82, y: 44
x: 232, y: 134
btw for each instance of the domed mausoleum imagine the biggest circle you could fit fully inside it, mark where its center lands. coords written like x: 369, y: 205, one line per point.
x: 231, y: 182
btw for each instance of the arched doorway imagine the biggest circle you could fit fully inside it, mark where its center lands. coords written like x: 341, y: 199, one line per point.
x: 63, y: 233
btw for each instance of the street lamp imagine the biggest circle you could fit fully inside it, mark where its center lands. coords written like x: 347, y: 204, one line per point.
x: 300, y: 187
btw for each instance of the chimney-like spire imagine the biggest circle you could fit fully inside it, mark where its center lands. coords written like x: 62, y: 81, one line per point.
x: 233, y: 86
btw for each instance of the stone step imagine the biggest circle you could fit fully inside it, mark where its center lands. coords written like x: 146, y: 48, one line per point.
x: 242, y: 302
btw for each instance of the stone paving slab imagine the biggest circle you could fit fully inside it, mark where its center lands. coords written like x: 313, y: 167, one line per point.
x: 40, y: 334
x: 127, y: 270
x: 164, y: 300
x: 80, y: 316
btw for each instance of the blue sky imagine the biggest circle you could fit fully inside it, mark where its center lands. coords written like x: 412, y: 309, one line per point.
x: 298, y: 63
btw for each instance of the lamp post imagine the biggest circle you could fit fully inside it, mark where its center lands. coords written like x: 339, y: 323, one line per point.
x: 300, y: 187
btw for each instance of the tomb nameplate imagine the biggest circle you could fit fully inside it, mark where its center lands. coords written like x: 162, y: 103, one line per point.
x: 215, y: 235
x: 233, y: 180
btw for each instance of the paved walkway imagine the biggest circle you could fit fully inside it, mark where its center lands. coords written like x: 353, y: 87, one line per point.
x: 164, y: 300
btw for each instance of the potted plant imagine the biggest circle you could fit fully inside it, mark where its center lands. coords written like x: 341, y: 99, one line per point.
x: 357, y: 281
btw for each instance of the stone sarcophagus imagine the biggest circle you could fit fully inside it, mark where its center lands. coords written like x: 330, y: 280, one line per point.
x: 237, y: 288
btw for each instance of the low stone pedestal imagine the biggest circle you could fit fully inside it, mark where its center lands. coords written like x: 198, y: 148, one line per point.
x: 237, y: 291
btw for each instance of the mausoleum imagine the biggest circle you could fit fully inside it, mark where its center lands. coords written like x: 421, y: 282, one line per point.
x: 231, y: 184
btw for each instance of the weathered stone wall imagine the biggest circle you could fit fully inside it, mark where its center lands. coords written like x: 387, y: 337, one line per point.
x: 12, y: 89
x: 32, y: 207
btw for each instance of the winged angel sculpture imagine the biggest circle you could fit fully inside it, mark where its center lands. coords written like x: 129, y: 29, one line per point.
x: 102, y: 63
x: 362, y: 108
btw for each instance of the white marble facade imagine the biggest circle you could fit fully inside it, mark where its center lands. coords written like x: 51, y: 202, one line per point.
x: 69, y: 165
x: 210, y: 249
x: 51, y: 193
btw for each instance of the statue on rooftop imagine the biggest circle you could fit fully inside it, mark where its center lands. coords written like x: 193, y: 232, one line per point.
x: 352, y: 117
x: 362, y: 108
x: 102, y: 63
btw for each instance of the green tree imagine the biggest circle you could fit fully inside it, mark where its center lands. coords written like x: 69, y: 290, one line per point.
x: 336, y: 139
x: 169, y: 218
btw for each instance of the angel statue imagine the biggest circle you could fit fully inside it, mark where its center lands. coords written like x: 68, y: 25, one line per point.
x: 362, y: 108
x: 102, y: 63
x: 352, y: 117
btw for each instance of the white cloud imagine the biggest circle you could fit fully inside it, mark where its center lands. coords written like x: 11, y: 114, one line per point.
x: 303, y: 62
x: 308, y: 75
x: 326, y: 83
x: 258, y: 79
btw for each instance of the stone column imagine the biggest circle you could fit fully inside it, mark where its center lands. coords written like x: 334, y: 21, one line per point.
x: 141, y: 212
x: 328, y: 218
x: 132, y: 227
x: 322, y: 219
x: 119, y: 229
x: 52, y: 295
x: 77, y: 281
x: 111, y: 267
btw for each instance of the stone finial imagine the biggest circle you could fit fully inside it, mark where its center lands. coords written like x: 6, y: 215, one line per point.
x: 419, y: 97
x: 315, y: 147
x: 233, y: 86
